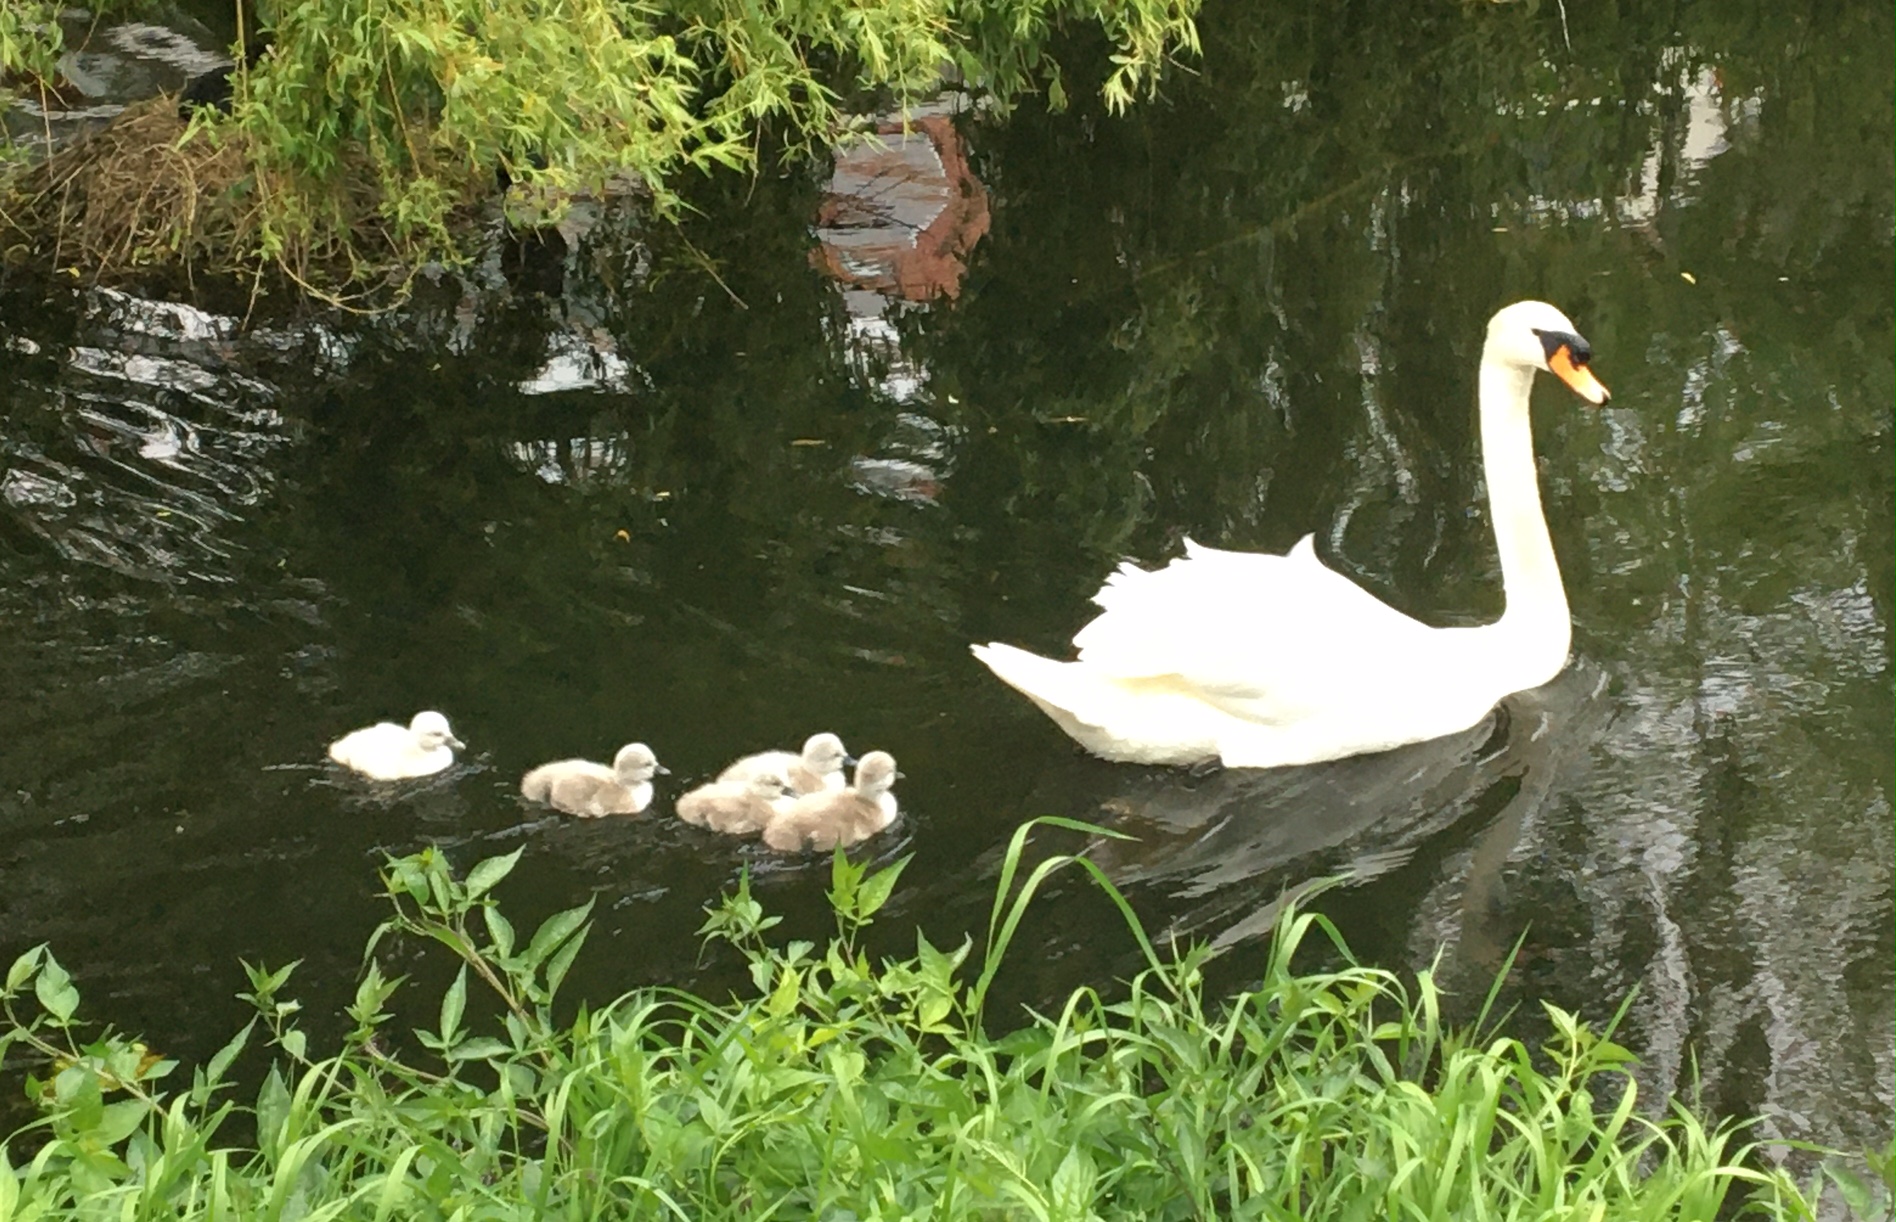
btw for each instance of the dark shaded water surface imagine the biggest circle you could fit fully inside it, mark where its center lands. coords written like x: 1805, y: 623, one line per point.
x: 575, y: 499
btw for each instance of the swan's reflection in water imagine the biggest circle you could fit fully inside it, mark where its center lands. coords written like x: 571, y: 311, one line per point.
x: 1219, y: 854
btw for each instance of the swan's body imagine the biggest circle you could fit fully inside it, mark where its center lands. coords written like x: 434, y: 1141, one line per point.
x: 1262, y: 660
x: 389, y: 752
x: 738, y: 808
x: 581, y: 787
x: 817, y: 769
x: 841, y: 817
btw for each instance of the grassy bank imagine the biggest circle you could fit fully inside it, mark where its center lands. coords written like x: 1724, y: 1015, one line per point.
x: 845, y: 1087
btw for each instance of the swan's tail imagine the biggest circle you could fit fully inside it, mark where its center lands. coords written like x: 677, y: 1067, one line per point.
x: 1059, y: 688
x: 1131, y: 720
x: 1076, y: 697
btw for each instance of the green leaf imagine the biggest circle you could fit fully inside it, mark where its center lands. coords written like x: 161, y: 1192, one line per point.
x: 24, y: 967
x: 877, y: 888
x: 482, y: 878
x: 406, y: 876
x: 845, y: 876
x: 933, y: 1010
x: 55, y: 990
x: 273, y: 1108
x: 220, y: 1061
x: 441, y: 886
x: 453, y: 1004
x: 555, y: 930
x: 277, y: 979
x: 1857, y: 1193
x: 1073, y: 1184
x: 9, y: 1187
x: 562, y: 962
x: 479, y: 1048
x: 372, y: 993
x: 500, y: 929
x: 783, y: 999
x: 118, y: 1120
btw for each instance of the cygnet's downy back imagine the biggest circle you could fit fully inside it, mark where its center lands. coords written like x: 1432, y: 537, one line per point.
x: 824, y: 820
x: 581, y: 787
x: 389, y: 752
x: 737, y: 808
x: 817, y: 769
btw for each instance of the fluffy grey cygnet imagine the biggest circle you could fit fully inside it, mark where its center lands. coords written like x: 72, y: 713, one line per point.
x: 388, y: 752
x: 737, y: 808
x: 581, y: 787
x: 818, y: 768
x: 850, y: 816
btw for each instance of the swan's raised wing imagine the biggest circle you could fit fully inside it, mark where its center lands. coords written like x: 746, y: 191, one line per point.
x: 1269, y: 638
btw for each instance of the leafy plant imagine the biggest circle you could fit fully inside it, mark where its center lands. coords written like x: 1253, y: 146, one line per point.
x: 369, y: 130
x: 845, y: 1084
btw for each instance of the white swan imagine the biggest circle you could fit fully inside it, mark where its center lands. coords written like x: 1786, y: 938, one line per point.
x: 388, y: 752
x: 581, y: 787
x: 1263, y: 660
x: 839, y: 817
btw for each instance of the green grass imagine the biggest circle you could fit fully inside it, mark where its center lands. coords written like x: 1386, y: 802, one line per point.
x: 843, y: 1087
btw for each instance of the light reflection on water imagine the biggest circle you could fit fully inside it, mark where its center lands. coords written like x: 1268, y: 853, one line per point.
x: 588, y: 495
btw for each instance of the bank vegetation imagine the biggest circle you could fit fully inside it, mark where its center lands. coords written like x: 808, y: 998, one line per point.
x: 362, y: 137
x: 839, y: 1085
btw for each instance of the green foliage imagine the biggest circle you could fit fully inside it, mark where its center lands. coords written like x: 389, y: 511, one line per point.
x: 370, y: 129
x: 844, y: 1084
x: 30, y: 39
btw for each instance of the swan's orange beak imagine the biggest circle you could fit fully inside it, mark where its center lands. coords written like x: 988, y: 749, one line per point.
x: 1577, y: 376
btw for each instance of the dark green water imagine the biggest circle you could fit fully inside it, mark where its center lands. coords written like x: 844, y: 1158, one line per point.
x: 1246, y: 312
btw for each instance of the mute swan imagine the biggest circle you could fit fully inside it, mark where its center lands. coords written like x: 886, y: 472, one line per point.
x: 819, y: 767
x: 388, y: 752
x: 737, y: 808
x: 581, y: 787
x: 1265, y: 660
x: 845, y: 817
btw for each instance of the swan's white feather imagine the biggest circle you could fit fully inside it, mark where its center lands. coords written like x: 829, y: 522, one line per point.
x: 1217, y: 621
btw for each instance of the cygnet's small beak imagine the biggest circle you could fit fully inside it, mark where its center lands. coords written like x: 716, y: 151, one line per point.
x: 660, y: 769
x: 850, y: 761
x: 900, y: 775
x: 456, y: 743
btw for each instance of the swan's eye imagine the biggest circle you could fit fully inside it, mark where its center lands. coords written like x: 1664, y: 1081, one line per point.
x: 1578, y: 350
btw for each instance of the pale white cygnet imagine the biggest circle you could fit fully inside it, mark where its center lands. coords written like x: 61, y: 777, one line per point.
x: 818, y: 768
x: 388, y: 752
x: 738, y: 808
x: 581, y: 787
x: 825, y: 820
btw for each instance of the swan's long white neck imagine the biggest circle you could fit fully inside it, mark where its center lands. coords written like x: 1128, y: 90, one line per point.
x: 1536, y: 621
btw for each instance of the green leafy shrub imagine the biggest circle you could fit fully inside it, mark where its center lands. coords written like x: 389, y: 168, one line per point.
x: 369, y: 130
x: 841, y: 1086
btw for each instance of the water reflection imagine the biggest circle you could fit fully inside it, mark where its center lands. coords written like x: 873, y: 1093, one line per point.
x: 899, y: 218
x: 590, y: 492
